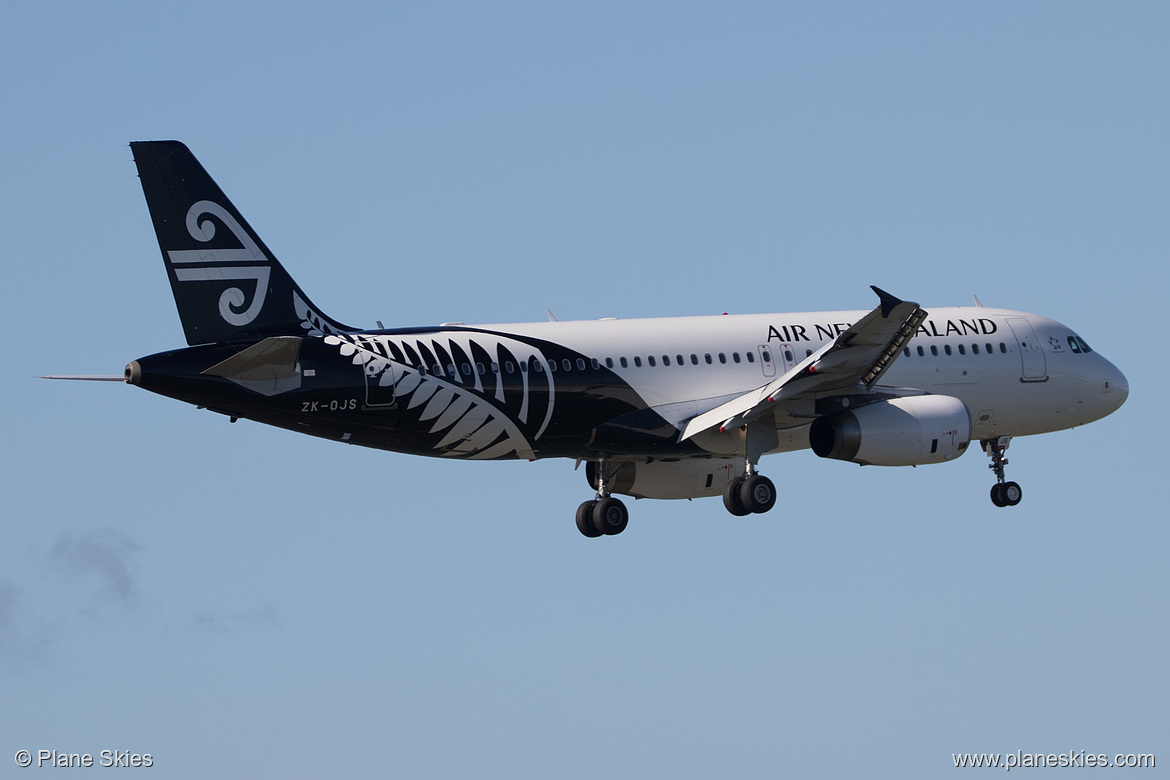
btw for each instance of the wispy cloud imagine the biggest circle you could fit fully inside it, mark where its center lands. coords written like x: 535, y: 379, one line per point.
x: 103, y: 556
x: 88, y: 572
x: 222, y: 624
x: 10, y: 642
x: 25, y: 637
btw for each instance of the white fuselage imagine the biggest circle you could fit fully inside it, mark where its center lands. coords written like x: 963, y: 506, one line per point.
x: 1018, y: 373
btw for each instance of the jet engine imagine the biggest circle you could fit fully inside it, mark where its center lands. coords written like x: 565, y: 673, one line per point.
x: 689, y: 478
x: 895, y: 432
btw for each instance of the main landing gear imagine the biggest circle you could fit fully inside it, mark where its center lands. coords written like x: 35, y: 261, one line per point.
x: 750, y: 494
x: 1002, y: 493
x: 604, y: 515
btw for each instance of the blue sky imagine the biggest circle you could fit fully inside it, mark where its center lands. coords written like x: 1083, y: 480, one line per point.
x: 241, y: 602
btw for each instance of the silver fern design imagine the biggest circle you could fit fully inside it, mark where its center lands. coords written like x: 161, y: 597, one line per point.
x: 312, y: 321
x: 488, y: 396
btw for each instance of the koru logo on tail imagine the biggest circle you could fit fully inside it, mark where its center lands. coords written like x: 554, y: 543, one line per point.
x: 213, y: 264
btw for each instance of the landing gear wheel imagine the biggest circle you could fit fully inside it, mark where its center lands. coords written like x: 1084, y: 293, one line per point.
x: 610, y: 516
x: 757, y: 494
x: 1006, y: 493
x: 731, y: 498
x: 1011, y: 493
x: 997, y: 495
x: 585, y: 520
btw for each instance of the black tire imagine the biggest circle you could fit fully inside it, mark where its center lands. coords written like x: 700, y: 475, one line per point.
x: 585, y: 520
x: 997, y: 495
x: 610, y: 516
x: 757, y: 494
x: 1011, y: 493
x: 731, y: 498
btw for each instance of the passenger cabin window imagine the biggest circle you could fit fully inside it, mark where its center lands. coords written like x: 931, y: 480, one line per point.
x: 751, y: 357
x: 680, y: 359
x: 666, y: 360
x: 735, y: 357
x: 788, y: 356
x: 934, y: 349
x: 609, y: 362
x: 722, y: 358
x: 947, y: 349
x: 637, y: 362
x: 962, y: 349
x: 625, y: 363
x: 707, y: 357
x: 1003, y: 347
x: 974, y: 349
x: 694, y: 359
x: 650, y: 360
x: 921, y: 352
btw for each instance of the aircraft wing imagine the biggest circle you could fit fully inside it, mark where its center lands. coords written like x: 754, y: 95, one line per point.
x: 857, y: 358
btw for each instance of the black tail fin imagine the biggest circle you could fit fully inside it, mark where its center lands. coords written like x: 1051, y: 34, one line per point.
x: 227, y: 285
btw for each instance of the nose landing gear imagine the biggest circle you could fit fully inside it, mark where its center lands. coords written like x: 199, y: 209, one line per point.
x: 1002, y: 493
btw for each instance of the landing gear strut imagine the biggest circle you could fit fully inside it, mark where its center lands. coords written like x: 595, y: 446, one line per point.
x: 604, y: 515
x: 1002, y: 493
x: 750, y: 494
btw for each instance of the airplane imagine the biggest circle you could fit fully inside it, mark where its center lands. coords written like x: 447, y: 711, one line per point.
x: 662, y: 408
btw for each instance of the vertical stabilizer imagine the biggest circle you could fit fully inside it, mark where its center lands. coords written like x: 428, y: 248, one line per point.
x: 228, y: 286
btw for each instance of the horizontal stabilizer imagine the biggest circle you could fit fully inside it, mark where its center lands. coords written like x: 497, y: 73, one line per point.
x: 268, y: 367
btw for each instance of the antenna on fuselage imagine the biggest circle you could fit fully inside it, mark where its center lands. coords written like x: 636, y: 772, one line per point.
x: 978, y: 303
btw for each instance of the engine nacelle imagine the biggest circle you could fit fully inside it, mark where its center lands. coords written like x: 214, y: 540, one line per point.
x: 689, y: 478
x: 896, y: 432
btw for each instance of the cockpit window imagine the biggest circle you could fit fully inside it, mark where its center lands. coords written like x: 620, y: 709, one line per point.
x: 1078, y: 345
x: 1084, y: 346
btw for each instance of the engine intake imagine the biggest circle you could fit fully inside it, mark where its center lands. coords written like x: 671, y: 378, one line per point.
x: 895, y: 432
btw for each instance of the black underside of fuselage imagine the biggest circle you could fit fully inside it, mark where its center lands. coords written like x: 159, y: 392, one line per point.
x: 461, y: 394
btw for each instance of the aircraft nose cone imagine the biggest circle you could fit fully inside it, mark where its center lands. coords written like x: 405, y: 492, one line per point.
x: 1118, y: 388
